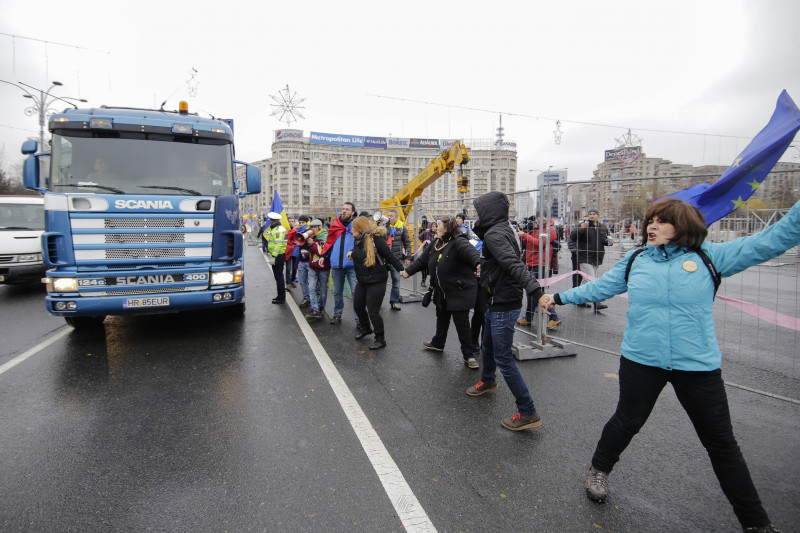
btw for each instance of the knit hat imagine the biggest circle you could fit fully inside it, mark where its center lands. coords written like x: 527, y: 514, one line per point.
x: 593, y: 210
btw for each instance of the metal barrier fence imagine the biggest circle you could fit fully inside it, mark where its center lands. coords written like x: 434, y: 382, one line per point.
x: 756, y: 311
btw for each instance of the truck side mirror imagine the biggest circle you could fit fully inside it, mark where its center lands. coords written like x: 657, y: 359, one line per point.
x: 30, y: 173
x: 30, y: 147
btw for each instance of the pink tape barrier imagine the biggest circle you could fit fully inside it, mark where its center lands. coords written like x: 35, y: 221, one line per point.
x: 762, y: 313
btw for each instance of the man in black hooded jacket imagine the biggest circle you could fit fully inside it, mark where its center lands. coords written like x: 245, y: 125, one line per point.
x: 505, y: 276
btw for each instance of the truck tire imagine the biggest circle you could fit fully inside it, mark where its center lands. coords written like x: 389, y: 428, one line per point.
x: 85, y: 322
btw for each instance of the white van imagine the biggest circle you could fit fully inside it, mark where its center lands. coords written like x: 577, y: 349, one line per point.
x: 21, y: 228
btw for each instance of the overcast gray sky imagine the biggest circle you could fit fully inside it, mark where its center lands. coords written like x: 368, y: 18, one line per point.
x: 710, y: 69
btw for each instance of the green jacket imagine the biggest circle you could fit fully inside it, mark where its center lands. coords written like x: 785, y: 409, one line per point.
x: 276, y: 240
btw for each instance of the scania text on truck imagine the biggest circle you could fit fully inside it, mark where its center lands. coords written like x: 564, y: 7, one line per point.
x: 141, y: 213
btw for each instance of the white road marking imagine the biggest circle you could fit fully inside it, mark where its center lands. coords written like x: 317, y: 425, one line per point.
x: 39, y: 347
x: 408, y: 508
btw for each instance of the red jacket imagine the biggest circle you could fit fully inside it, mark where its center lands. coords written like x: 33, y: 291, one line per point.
x: 530, y: 247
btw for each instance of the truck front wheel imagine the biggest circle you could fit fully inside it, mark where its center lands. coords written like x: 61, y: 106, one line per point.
x: 85, y: 322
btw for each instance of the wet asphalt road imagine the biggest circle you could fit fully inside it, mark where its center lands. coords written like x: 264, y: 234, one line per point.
x: 200, y: 423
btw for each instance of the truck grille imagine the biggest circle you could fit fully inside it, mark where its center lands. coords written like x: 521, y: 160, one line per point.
x: 145, y: 253
x: 118, y: 223
x: 142, y: 238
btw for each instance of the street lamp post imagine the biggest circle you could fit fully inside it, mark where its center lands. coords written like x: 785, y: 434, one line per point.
x: 41, y: 103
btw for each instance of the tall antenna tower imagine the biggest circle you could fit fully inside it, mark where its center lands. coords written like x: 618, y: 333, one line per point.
x: 287, y: 106
x: 500, y: 134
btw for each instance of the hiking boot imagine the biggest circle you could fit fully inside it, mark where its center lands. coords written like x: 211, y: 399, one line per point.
x: 471, y: 362
x: 553, y: 324
x: 769, y: 528
x: 598, y: 306
x: 597, y: 485
x: 430, y: 346
x: 395, y: 307
x: 523, y: 322
x: 519, y: 422
x: 480, y: 387
x: 363, y: 333
x: 313, y: 316
x: 305, y: 303
x: 380, y: 342
x: 337, y: 319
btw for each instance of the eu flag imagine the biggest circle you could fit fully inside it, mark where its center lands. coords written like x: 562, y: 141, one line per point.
x: 277, y: 207
x: 748, y: 171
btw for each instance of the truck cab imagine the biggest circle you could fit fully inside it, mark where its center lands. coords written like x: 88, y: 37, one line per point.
x: 141, y: 213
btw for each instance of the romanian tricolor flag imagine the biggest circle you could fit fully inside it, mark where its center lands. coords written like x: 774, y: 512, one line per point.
x: 277, y: 207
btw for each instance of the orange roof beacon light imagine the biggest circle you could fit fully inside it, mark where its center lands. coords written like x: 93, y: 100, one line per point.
x: 183, y: 107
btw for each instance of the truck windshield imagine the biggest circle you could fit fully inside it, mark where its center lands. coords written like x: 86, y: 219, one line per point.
x: 21, y: 216
x: 138, y: 166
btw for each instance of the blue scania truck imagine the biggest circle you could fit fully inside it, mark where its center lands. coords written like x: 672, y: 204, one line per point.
x: 141, y: 213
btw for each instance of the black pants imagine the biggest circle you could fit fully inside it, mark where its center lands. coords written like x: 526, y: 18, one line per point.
x: 277, y: 271
x: 478, y: 315
x: 702, y: 395
x: 576, y: 278
x: 461, y: 321
x: 367, y: 302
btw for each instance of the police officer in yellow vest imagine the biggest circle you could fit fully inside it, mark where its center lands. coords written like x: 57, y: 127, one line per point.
x: 275, y: 236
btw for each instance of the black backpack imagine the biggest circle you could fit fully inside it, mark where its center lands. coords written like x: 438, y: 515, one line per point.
x: 706, y: 260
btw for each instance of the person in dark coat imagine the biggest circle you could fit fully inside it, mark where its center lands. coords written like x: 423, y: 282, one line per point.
x: 590, y: 239
x: 370, y: 257
x: 451, y: 261
x: 506, y: 277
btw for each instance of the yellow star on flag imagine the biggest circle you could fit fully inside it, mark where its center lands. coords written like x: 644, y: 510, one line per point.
x: 736, y: 163
x: 755, y: 184
x: 738, y: 203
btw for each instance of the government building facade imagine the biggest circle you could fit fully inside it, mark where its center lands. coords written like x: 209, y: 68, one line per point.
x: 317, y: 173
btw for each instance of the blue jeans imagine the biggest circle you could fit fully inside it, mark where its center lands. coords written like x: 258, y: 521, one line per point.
x: 302, y: 277
x: 534, y: 304
x: 498, y: 336
x: 394, y: 296
x: 318, y: 288
x: 338, y: 288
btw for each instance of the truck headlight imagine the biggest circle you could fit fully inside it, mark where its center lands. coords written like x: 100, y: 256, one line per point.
x: 227, y: 277
x: 29, y: 258
x: 65, y: 284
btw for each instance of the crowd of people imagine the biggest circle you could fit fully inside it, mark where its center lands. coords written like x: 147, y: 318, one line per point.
x: 494, y: 266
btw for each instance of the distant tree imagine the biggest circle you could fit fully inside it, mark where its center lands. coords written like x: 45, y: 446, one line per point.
x: 11, y: 182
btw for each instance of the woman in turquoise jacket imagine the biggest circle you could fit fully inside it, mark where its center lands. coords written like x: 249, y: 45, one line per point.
x: 670, y: 337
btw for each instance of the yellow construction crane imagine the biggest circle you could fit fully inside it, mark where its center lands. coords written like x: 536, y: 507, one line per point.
x: 403, y: 200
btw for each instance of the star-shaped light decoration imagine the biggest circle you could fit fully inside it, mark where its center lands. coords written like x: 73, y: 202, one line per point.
x: 287, y: 106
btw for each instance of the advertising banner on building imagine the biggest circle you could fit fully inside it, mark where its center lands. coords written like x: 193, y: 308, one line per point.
x: 506, y: 145
x: 626, y: 154
x: 336, y: 138
x: 398, y: 142
x: 424, y: 143
x: 375, y: 142
x: 446, y: 144
x: 288, y: 135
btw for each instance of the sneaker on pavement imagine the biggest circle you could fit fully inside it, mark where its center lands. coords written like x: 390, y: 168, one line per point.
x: 597, y: 485
x: 471, y: 362
x: 395, y: 307
x: 430, y: 346
x: 313, y: 315
x: 523, y: 322
x: 480, y: 387
x: 769, y: 528
x: 519, y: 422
x: 305, y: 303
x: 598, y: 306
x: 336, y: 319
x: 553, y: 324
